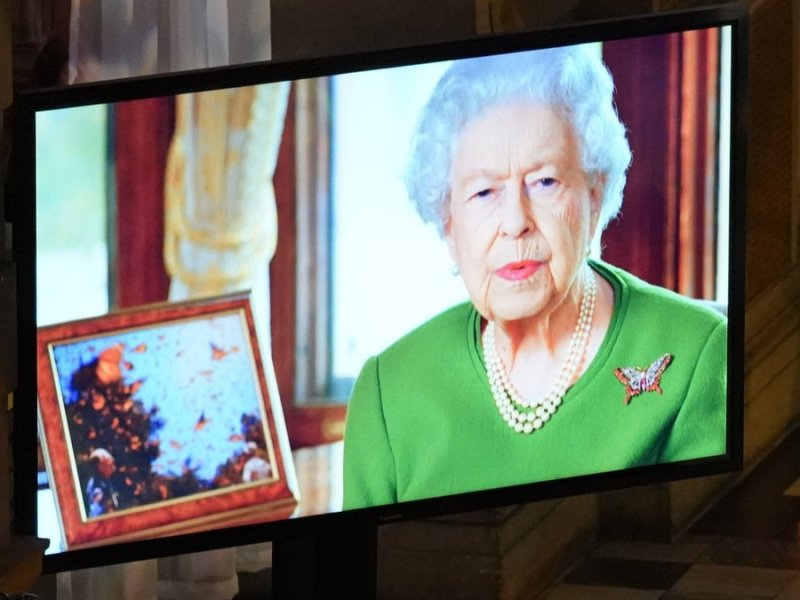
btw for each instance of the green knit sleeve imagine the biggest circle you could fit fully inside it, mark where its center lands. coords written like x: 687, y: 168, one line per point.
x: 369, y: 470
x: 699, y: 428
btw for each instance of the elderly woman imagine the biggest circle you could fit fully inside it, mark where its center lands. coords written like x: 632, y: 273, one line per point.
x: 560, y: 365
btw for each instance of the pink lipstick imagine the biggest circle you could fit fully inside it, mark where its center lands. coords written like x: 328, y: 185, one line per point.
x: 518, y: 271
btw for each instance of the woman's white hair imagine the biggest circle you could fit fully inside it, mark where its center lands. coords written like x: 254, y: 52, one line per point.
x: 572, y: 79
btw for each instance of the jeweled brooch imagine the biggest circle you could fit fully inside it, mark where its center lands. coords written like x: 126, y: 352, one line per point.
x: 638, y: 381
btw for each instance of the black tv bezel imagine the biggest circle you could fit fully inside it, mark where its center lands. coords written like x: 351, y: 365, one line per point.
x: 21, y: 212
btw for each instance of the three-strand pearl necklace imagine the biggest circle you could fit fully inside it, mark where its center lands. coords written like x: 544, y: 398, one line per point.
x: 524, y: 415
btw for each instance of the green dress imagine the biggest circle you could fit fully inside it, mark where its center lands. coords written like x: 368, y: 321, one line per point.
x: 422, y: 421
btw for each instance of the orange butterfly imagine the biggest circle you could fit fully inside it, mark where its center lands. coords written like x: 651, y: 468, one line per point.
x: 108, y: 361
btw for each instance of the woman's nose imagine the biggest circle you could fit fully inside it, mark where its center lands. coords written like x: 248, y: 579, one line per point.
x: 516, y: 215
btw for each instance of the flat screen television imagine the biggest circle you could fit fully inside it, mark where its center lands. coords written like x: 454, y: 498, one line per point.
x: 215, y: 266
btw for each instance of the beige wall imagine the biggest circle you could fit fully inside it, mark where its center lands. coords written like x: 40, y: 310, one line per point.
x: 311, y: 28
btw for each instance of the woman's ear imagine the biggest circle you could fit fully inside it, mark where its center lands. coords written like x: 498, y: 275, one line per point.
x: 596, y: 189
x: 447, y: 233
x: 447, y: 228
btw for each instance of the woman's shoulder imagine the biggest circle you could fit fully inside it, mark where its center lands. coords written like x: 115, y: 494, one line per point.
x: 643, y: 301
x: 444, y: 332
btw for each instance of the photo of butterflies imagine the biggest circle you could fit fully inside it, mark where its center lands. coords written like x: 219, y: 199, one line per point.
x: 162, y: 412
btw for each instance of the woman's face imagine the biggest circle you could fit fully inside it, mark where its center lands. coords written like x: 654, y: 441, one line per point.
x: 522, y: 211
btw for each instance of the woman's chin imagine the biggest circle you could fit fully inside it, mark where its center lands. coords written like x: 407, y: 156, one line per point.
x: 513, y: 301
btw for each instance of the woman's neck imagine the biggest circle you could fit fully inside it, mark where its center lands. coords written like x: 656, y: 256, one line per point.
x: 534, y: 350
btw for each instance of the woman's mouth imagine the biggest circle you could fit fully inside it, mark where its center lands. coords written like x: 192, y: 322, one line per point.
x: 518, y: 271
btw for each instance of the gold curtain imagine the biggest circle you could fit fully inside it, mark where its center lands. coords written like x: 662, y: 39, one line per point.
x: 221, y: 224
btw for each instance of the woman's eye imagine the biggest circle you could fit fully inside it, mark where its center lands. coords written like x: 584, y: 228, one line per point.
x: 484, y: 194
x: 543, y: 186
x: 547, y: 182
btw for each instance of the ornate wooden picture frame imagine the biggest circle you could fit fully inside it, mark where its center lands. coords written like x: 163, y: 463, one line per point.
x: 159, y: 420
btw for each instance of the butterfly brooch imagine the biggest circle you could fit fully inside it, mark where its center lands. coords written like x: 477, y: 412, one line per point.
x: 637, y: 381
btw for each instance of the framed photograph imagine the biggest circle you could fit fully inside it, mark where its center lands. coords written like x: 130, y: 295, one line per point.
x: 159, y: 420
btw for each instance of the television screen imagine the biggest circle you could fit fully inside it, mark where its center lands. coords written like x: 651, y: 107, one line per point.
x: 392, y: 284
